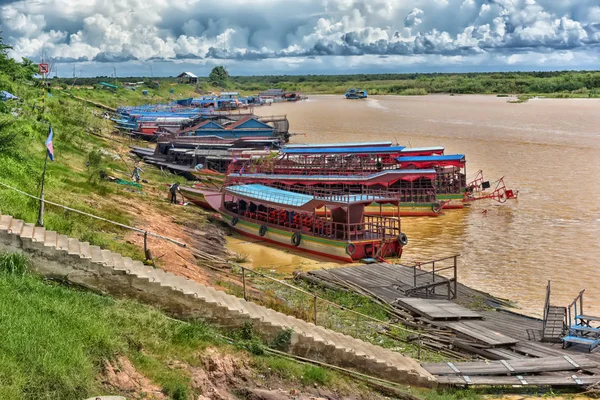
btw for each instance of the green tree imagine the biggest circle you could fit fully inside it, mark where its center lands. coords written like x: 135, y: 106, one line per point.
x: 219, y: 76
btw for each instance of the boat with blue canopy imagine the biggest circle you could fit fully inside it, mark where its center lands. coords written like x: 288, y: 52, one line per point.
x: 322, y: 223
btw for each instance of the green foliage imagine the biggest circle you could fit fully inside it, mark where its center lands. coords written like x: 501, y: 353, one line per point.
x: 218, y: 76
x: 14, y: 263
x: 316, y: 375
x: 283, y: 340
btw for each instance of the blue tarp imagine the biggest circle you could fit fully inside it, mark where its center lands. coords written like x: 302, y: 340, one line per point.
x: 345, y: 150
x: 4, y: 95
x: 450, y: 157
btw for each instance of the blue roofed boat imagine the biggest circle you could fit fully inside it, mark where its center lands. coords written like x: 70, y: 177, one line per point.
x: 355, y: 94
x: 325, y: 224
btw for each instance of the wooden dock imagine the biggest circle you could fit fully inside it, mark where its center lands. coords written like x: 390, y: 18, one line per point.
x: 509, y: 343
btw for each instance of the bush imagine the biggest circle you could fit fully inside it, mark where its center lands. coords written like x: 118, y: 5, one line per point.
x: 14, y: 263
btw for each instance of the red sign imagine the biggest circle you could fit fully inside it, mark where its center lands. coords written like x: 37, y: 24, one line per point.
x: 44, y: 68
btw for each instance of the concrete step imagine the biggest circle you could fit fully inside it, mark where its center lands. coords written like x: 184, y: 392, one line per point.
x: 5, y: 221
x: 227, y: 310
x: 118, y: 263
x: 27, y: 231
x: 84, y: 248
x: 16, y: 226
x: 51, y: 238
x: 73, y: 247
x: 96, y: 254
x: 62, y: 242
x: 39, y: 234
x: 107, y: 258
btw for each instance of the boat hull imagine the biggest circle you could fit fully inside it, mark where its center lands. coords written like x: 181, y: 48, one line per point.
x: 334, y: 249
x: 451, y: 201
x: 197, y: 197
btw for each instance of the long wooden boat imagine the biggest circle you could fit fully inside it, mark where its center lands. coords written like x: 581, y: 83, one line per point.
x: 414, y: 189
x: 343, y: 232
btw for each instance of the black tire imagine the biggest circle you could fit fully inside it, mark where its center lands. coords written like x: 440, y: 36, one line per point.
x: 296, y: 239
x: 262, y: 230
x: 234, y: 221
x: 436, y: 207
x: 402, y: 239
x: 350, y: 248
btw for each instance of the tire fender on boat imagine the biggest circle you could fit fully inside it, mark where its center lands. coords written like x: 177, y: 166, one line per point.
x: 296, y: 239
x: 402, y: 239
x: 262, y: 230
x: 436, y: 207
x: 234, y: 221
x: 350, y: 248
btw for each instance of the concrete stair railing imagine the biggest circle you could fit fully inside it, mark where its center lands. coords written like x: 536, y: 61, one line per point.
x: 58, y: 256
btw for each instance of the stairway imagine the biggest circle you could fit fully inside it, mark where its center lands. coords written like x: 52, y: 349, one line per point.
x: 554, y: 324
x: 101, y: 270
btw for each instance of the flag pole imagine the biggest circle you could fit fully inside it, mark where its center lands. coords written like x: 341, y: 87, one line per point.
x: 40, y: 221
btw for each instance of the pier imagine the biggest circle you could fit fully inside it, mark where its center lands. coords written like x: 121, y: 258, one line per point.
x: 501, y: 346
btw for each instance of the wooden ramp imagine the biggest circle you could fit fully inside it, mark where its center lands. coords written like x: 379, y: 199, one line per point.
x: 512, y: 367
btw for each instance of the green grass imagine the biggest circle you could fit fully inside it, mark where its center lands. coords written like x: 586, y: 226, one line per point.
x: 55, y: 341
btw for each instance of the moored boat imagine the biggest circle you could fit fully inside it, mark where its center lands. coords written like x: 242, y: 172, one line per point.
x: 343, y: 231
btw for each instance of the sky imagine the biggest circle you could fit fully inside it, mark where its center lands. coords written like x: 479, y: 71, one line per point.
x: 274, y: 37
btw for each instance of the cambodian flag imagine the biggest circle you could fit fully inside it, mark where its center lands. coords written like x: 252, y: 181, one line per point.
x: 49, y: 144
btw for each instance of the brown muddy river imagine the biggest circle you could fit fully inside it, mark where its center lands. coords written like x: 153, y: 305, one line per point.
x: 548, y: 150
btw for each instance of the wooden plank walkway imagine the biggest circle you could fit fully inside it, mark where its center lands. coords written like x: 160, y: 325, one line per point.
x: 437, y: 309
x: 542, y: 380
x: 512, y: 367
x: 484, y: 335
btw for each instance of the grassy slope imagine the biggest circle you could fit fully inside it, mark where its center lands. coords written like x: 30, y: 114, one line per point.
x: 68, y: 180
x: 55, y: 340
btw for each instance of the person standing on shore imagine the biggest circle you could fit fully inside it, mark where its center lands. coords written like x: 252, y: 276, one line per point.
x: 174, y: 189
x: 135, y: 176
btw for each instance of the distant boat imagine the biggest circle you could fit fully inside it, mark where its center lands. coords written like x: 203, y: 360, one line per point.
x: 356, y: 94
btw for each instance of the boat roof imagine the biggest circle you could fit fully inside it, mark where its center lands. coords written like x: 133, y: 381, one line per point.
x: 455, y: 160
x: 388, y: 176
x: 345, y: 150
x: 449, y: 157
x: 279, y: 197
x: 330, y: 145
x: 423, y: 149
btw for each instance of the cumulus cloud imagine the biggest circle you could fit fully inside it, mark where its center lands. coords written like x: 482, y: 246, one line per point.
x: 109, y: 31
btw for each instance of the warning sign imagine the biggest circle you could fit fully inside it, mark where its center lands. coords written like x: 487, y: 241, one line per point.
x: 43, y: 68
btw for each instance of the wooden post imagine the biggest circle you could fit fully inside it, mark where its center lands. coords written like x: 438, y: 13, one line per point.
x: 315, y: 307
x: 419, y: 345
x: 40, y: 221
x: 455, y: 278
x: 146, y: 245
x: 244, y: 282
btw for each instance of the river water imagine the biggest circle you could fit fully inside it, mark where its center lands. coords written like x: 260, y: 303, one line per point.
x: 548, y: 150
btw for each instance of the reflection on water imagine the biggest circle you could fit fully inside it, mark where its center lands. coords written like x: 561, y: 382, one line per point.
x: 547, y: 149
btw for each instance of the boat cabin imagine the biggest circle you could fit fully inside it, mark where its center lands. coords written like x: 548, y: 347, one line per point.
x: 451, y: 170
x: 322, y: 223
